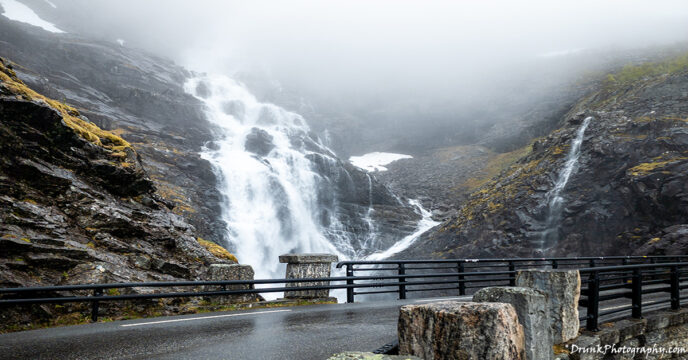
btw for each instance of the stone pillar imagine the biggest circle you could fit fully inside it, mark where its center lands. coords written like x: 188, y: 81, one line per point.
x: 222, y: 272
x: 456, y: 330
x: 563, y: 290
x: 301, y: 266
x: 532, y: 308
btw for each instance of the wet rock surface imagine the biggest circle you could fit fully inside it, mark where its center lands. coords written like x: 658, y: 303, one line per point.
x: 461, y: 330
x: 138, y: 96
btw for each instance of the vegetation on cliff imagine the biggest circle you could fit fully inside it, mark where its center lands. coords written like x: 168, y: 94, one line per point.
x: 12, y: 85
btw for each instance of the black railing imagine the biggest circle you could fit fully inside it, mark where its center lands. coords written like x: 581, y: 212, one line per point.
x: 472, y: 273
x: 609, y: 284
x: 394, y: 276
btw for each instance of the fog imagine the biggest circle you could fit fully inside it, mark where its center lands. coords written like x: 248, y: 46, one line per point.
x: 383, y: 56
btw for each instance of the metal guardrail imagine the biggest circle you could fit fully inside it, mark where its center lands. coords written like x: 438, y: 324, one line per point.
x: 631, y: 282
x: 407, y: 276
x: 474, y: 273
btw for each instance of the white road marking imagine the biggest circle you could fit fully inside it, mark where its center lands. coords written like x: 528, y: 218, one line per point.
x: 204, y: 317
x: 443, y: 299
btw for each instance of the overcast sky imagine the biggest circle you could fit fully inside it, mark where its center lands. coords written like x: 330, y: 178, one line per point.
x: 380, y: 45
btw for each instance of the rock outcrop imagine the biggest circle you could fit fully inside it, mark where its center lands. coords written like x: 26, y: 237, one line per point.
x: 461, y: 330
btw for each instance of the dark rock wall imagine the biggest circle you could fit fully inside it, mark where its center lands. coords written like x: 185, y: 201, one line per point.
x: 138, y: 96
x: 627, y: 195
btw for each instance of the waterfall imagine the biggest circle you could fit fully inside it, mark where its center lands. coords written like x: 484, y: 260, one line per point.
x: 279, y: 183
x: 271, y: 207
x: 425, y: 224
x: 555, y: 201
x: 370, y: 238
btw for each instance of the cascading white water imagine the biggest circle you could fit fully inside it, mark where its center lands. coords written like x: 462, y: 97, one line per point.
x: 270, y: 206
x: 367, y: 242
x: 555, y: 201
x: 425, y: 224
x: 274, y: 200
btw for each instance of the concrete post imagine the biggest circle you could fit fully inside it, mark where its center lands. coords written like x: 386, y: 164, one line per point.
x: 453, y: 330
x: 222, y: 272
x: 532, y: 308
x: 563, y: 290
x: 300, y: 266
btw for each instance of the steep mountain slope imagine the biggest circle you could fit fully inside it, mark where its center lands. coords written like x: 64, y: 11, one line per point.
x: 626, y: 193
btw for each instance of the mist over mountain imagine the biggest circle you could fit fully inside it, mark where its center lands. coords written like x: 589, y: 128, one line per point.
x: 389, y: 75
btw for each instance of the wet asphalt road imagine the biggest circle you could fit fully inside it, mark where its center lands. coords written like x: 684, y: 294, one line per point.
x: 303, y: 332
x: 294, y: 333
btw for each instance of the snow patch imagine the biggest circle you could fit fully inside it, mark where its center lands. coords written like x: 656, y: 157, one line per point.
x: 120, y: 42
x: 14, y: 10
x: 51, y: 4
x: 374, y: 161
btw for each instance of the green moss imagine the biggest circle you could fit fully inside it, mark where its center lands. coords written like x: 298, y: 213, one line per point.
x: 70, y: 115
x: 217, y: 250
x: 656, y: 163
x: 113, y: 292
x: 633, y: 73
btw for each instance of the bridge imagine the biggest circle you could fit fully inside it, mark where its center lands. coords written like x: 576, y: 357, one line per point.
x: 613, y: 287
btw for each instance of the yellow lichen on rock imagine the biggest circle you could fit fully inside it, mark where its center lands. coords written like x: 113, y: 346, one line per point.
x: 656, y: 163
x: 217, y: 250
x: 89, y: 131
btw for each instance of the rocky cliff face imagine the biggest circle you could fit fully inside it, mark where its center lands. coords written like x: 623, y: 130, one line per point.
x: 77, y: 206
x: 137, y: 96
x: 627, y: 192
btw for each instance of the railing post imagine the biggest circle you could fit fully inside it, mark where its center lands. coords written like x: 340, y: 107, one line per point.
x: 555, y: 264
x: 402, y: 288
x: 593, y: 263
x: 349, y: 281
x: 675, y: 289
x: 624, y: 261
x: 96, y: 304
x: 512, y: 276
x: 637, y: 294
x: 593, y: 303
x: 462, y: 285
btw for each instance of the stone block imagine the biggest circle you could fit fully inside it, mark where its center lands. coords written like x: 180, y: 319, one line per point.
x: 224, y: 272
x: 532, y: 308
x: 355, y: 355
x: 585, y: 348
x: 301, y: 266
x: 563, y: 289
x: 455, y: 330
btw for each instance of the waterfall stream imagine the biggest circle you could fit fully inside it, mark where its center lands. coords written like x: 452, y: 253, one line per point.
x: 279, y: 183
x: 555, y: 201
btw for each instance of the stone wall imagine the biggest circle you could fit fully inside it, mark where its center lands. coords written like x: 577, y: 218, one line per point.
x: 657, y: 331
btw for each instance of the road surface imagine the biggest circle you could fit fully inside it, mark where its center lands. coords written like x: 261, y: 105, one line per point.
x: 302, y: 332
